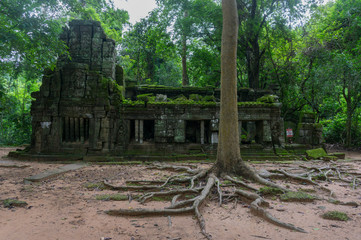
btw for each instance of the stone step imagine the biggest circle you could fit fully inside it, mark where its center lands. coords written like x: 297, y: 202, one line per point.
x: 54, y: 172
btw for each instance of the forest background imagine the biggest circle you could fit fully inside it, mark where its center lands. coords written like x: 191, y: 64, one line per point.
x: 308, y: 50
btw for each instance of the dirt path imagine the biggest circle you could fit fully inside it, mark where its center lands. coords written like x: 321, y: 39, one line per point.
x: 63, y: 208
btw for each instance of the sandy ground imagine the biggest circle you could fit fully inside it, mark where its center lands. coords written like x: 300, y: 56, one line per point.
x: 62, y: 208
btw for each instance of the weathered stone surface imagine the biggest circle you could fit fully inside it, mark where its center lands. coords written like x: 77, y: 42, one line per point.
x: 54, y: 172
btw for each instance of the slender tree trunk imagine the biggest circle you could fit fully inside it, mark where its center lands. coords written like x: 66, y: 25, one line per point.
x: 349, y: 115
x: 253, y: 64
x: 185, y: 80
x: 228, y: 153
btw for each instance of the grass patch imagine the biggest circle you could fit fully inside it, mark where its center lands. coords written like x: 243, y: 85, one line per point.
x: 297, y: 197
x: 112, y: 197
x: 308, y: 190
x: 162, y: 198
x: 270, y: 191
x: 95, y: 185
x: 320, y: 177
x: 8, y: 203
x: 335, y: 215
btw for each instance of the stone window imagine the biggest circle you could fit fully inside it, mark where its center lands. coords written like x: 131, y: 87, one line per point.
x: 75, y: 129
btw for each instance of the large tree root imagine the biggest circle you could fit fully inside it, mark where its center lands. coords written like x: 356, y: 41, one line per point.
x: 173, y: 211
x: 256, y: 207
x: 184, y: 205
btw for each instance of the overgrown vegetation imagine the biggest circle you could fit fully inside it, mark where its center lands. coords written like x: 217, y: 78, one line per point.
x: 315, y: 63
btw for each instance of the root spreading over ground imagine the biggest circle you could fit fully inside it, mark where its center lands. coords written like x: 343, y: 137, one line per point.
x: 189, y: 187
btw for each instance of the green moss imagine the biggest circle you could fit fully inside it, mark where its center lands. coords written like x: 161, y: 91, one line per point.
x: 255, y: 104
x: 145, y: 97
x: 209, y: 98
x: 112, y: 197
x: 195, y: 97
x: 307, y: 190
x: 270, y: 191
x: 95, y: 185
x: 334, y: 201
x: 8, y: 203
x: 297, y: 197
x: 180, y: 98
x: 268, y: 99
x: 162, y: 198
x: 316, y: 153
x: 335, y: 215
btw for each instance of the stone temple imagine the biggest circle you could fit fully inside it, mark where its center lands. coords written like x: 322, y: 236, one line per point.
x: 85, y: 109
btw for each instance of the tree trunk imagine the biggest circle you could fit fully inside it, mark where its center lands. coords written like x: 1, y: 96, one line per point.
x: 349, y: 115
x: 253, y: 64
x: 228, y: 153
x: 185, y: 80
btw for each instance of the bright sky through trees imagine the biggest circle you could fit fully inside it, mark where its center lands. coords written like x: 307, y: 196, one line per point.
x: 137, y: 9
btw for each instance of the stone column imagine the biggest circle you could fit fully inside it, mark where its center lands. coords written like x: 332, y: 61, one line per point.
x: 136, y: 131
x: 202, y: 132
x: 66, y: 132
x: 81, y: 129
x: 214, y: 138
x: 141, y: 133
x: 267, y: 137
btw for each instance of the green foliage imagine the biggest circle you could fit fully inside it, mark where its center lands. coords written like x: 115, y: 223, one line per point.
x: 334, y: 128
x: 335, y: 215
x: 15, y: 100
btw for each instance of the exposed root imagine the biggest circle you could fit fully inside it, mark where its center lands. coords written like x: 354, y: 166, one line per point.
x: 200, y: 182
x: 180, y: 192
x: 160, y: 166
x: 173, y: 211
x: 239, y: 182
x: 296, y: 177
x: 256, y: 207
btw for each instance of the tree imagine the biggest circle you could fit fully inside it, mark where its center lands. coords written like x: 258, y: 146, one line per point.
x: 255, y: 15
x: 335, y: 28
x: 228, y: 153
x: 148, y: 54
x: 177, y: 13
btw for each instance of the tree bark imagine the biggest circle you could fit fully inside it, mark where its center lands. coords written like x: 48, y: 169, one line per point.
x: 228, y: 153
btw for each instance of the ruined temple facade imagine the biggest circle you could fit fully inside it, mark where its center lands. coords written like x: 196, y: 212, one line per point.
x: 84, y: 107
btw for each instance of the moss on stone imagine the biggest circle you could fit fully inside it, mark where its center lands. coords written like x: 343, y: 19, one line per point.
x: 297, y: 197
x: 335, y: 215
x: 268, y: 99
x: 209, y: 98
x: 316, y: 153
x: 145, y: 97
